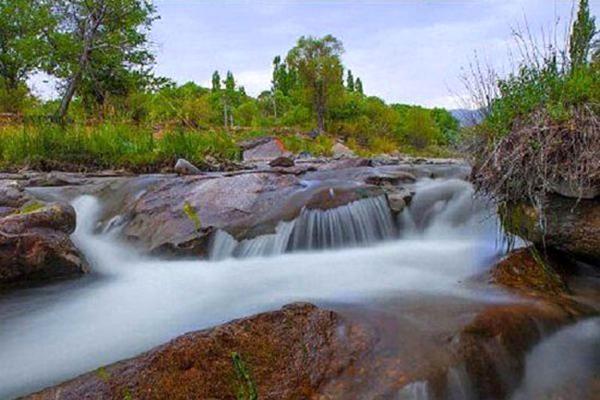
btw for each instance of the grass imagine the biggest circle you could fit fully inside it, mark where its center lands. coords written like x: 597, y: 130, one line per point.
x: 109, y: 145
x: 246, y: 388
x: 139, y: 148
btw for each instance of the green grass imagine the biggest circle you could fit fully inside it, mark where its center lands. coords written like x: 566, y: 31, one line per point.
x: 107, y: 145
x: 246, y: 388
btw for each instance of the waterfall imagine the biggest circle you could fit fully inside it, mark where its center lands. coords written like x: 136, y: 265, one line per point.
x: 358, y: 223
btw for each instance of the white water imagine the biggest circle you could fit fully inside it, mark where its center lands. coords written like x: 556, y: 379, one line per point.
x: 358, y: 223
x: 133, y: 303
x: 564, y: 363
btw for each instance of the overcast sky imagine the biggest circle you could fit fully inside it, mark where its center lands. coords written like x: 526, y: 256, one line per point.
x: 404, y: 51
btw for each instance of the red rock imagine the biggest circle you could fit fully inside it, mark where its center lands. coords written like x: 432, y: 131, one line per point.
x: 284, y: 354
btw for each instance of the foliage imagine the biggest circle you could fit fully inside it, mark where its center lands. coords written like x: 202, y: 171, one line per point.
x: 542, y: 133
x: 100, y: 48
x: 319, y: 68
x: 246, y: 388
x: 22, y: 23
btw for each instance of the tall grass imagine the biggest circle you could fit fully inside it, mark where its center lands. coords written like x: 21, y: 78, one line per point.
x: 108, y: 145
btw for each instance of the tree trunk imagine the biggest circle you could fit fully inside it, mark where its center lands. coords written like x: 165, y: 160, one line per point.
x: 67, y: 97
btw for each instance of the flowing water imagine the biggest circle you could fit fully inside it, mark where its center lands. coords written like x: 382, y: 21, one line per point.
x: 356, y: 257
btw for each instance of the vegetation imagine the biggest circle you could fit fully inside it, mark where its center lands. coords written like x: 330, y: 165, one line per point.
x: 113, y: 112
x: 541, y: 133
x: 246, y: 388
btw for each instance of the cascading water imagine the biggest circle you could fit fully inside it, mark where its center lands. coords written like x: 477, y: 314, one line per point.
x: 133, y: 302
x: 361, y: 222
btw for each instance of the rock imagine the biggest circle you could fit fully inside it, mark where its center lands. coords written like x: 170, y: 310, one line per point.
x: 491, y: 349
x: 567, y: 190
x: 340, y: 150
x: 391, y: 177
x: 35, y: 246
x: 398, y: 199
x: 284, y: 162
x: 245, y: 204
x: 571, y: 226
x: 263, y: 149
x: 12, y: 194
x: 284, y: 354
x: 184, y: 167
x: 524, y: 270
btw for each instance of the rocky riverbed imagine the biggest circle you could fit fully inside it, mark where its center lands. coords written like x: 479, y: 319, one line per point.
x: 424, y: 301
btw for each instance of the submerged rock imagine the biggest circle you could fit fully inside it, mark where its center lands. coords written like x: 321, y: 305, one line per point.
x: 282, y: 354
x: 35, y: 245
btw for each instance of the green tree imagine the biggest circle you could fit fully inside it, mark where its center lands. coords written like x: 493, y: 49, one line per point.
x: 317, y: 62
x: 419, y: 127
x: 350, y: 82
x: 93, y: 38
x: 582, y: 34
x: 22, y: 46
x: 216, y: 81
x: 358, y: 86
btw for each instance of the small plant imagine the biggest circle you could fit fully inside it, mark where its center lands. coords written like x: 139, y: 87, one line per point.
x: 103, y: 374
x: 30, y: 208
x: 191, y: 213
x: 246, y: 389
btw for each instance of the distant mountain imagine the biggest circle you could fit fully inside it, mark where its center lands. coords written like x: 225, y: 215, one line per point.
x: 467, y: 117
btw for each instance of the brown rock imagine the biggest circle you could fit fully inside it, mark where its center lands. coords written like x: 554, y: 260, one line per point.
x: 284, y: 354
x: 35, y: 246
x: 263, y: 148
x: 282, y: 162
x: 528, y: 272
x: 571, y: 226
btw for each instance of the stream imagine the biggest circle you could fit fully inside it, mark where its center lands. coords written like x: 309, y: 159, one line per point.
x: 415, y: 275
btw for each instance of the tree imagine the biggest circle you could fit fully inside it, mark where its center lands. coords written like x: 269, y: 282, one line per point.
x: 216, y: 81
x: 319, y: 68
x: 350, y: 82
x: 582, y: 34
x: 358, y: 86
x: 95, y: 38
x: 22, y: 45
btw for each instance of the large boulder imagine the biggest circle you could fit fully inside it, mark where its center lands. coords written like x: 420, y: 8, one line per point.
x: 284, y: 354
x: 340, y: 150
x: 35, y: 245
x: 569, y: 225
x: 180, y: 214
x: 263, y: 149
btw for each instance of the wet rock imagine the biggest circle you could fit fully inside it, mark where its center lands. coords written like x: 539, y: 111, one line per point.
x: 340, y: 150
x: 244, y: 204
x: 35, y: 245
x: 571, y: 226
x: 491, y: 349
x: 284, y: 162
x: 528, y: 271
x: 12, y: 194
x: 263, y: 149
x: 391, y: 177
x: 398, y: 199
x: 284, y: 354
x: 184, y: 167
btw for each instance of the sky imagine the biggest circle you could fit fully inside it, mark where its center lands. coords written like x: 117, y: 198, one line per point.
x: 408, y: 51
